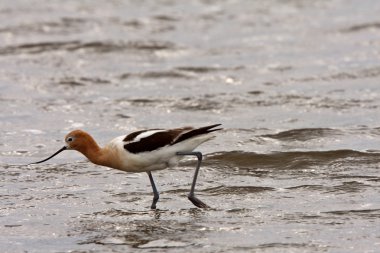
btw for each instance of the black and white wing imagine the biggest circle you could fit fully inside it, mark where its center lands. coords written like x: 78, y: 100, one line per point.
x: 153, y: 139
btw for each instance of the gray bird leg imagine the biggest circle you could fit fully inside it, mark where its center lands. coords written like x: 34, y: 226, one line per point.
x: 191, y: 195
x: 156, y: 195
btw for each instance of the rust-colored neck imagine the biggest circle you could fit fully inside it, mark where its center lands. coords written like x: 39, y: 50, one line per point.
x: 103, y: 157
x: 83, y: 142
x: 93, y: 152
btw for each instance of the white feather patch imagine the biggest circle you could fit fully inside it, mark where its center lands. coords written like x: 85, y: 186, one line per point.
x: 146, y: 134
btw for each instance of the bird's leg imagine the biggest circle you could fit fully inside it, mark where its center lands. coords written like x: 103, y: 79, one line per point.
x: 156, y: 195
x: 191, y: 195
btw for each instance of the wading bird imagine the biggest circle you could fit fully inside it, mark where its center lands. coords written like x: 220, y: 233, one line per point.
x: 144, y: 151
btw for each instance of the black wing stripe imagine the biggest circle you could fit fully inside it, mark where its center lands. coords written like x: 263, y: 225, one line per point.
x: 195, y: 132
x: 132, y: 136
x: 153, y: 142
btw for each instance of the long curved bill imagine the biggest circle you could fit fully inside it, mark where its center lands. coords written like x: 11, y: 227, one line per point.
x: 56, y: 153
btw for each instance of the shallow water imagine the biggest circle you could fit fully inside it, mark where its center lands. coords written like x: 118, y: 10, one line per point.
x: 294, y: 83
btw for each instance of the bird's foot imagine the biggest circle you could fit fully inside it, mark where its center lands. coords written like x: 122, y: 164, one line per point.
x: 154, y: 202
x: 197, y: 202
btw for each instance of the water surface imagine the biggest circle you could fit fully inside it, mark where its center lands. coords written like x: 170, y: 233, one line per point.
x: 294, y: 83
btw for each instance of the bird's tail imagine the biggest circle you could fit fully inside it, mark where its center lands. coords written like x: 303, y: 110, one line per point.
x: 197, y: 131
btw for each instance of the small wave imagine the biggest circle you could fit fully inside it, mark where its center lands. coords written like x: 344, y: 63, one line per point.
x: 352, y: 75
x: 201, y: 69
x: 93, y: 46
x: 151, y: 45
x: 286, y: 160
x: 156, y: 74
x: 142, y: 101
x: 206, y: 69
x: 222, y: 190
x: 371, y: 213
x: 352, y: 186
x: 166, y: 18
x: 361, y: 27
x: 36, y: 48
x: 117, y: 212
x: 307, y: 187
x: 343, y: 187
x: 82, y: 81
x: 303, y: 134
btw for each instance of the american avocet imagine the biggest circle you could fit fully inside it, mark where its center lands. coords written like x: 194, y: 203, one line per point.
x: 144, y: 151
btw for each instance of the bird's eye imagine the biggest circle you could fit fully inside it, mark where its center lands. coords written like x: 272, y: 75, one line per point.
x: 69, y: 139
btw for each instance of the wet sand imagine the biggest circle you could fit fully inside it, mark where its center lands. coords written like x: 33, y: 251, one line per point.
x: 295, y: 85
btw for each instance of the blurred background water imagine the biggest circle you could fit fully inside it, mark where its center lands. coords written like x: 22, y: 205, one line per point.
x: 295, y: 84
